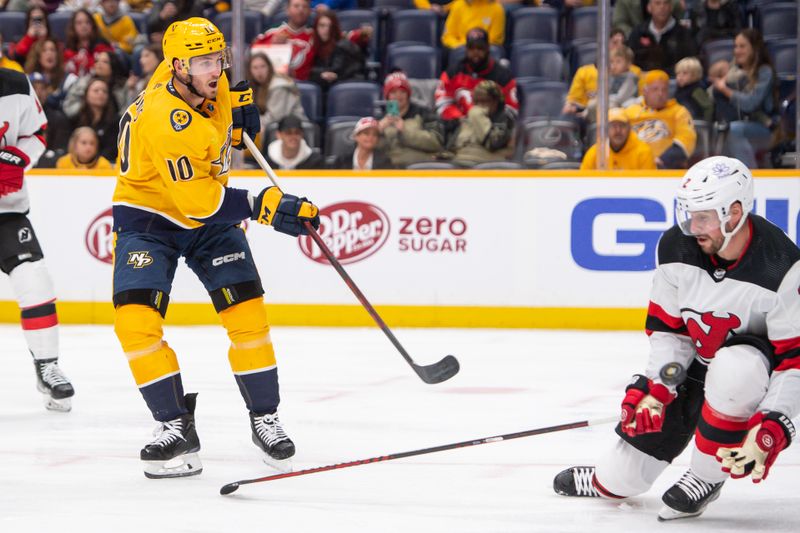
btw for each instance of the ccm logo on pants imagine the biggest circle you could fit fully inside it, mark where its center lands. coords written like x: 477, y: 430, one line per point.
x: 230, y: 258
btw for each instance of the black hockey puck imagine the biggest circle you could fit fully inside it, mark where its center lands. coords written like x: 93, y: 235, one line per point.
x: 672, y: 374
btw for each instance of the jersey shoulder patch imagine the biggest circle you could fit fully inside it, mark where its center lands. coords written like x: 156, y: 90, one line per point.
x: 180, y: 119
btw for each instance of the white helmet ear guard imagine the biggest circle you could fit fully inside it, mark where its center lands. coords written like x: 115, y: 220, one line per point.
x: 714, y: 184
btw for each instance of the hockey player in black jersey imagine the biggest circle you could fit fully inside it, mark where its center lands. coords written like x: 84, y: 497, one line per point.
x: 725, y: 305
x: 22, y: 124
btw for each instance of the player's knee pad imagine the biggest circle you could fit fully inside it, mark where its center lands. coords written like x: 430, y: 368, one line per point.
x: 139, y: 330
x: 737, y: 380
x: 248, y: 329
x: 32, y: 284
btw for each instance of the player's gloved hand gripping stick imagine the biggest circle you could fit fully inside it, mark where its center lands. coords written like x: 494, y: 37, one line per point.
x: 272, y: 200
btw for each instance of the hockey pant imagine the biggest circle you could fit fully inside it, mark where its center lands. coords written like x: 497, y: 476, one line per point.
x: 735, y: 382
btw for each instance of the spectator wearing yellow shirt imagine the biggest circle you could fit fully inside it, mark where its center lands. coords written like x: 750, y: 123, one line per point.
x: 627, y: 151
x: 663, y: 123
x: 468, y: 14
x: 116, y: 27
x: 83, y: 152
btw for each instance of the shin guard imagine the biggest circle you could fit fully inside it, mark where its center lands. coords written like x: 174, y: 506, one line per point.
x: 36, y: 298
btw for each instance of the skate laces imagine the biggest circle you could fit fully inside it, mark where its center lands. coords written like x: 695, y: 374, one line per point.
x: 694, y: 487
x: 167, y: 433
x: 52, y: 375
x: 583, y: 481
x: 269, y: 429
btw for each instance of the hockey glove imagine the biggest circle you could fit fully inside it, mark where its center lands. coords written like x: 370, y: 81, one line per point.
x: 284, y: 212
x: 768, y: 434
x: 643, y: 406
x: 245, y: 114
x: 12, y: 166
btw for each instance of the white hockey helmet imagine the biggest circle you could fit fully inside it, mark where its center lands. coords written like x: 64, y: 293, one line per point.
x: 713, y: 184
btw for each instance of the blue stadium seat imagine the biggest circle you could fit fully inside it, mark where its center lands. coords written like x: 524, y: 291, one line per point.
x: 337, y: 139
x: 719, y: 50
x: 384, y: 6
x: 413, y: 25
x: 311, y: 100
x: 534, y: 24
x: 457, y: 54
x: 584, y: 53
x: 553, y: 134
x: 58, y: 21
x: 784, y: 56
x: 582, y: 24
x: 416, y: 60
x: 778, y: 20
x: 12, y: 25
x: 543, y: 60
x: 353, y: 19
x: 541, y: 98
x: 140, y: 19
x: 352, y: 99
x: 253, y: 25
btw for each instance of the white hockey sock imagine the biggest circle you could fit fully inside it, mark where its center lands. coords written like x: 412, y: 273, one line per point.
x: 36, y: 298
x: 706, y: 467
x: 625, y: 471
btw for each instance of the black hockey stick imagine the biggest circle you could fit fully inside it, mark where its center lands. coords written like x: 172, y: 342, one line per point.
x: 231, y: 487
x: 431, y: 374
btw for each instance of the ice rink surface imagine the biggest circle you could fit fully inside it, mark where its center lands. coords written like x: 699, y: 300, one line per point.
x: 347, y: 394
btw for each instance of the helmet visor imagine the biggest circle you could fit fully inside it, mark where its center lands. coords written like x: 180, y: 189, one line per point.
x: 208, y: 63
x: 697, y: 222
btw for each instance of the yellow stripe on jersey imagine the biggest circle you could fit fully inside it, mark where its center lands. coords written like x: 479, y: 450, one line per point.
x: 138, y: 328
x: 251, y: 347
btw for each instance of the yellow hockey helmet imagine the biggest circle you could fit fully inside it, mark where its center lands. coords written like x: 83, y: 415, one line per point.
x: 192, y: 38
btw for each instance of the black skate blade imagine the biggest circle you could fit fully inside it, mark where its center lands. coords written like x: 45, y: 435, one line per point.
x: 438, y: 372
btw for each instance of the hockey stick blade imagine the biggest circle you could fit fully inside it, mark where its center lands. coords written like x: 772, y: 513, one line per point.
x: 232, y: 487
x: 438, y: 372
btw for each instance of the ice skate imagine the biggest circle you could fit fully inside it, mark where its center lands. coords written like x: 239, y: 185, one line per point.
x: 54, y: 385
x: 269, y: 436
x: 173, y: 452
x: 576, y: 481
x: 688, y: 497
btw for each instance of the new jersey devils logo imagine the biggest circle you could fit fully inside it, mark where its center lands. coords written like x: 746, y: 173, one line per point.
x: 709, y: 331
x: 3, y: 130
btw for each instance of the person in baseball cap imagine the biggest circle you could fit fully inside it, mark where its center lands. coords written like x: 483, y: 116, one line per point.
x: 627, y: 151
x: 290, y: 150
x: 365, y: 155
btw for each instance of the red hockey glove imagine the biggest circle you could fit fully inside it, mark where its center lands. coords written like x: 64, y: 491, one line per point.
x: 643, y: 406
x: 769, y: 434
x: 12, y: 166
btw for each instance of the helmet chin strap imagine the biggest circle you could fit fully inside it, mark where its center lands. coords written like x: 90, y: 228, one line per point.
x: 189, y: 85
x: 729, y: 234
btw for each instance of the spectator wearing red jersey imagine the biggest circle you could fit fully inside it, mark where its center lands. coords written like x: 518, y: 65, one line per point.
x: 296, y: 32
x: 82, y: 43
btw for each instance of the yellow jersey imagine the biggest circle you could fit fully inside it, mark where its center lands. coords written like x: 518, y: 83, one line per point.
x: 635, y: 155
x: 661, y: 127
x: 174, y: 159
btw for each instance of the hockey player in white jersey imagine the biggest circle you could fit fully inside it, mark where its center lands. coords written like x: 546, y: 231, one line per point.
x: 724, y: 305
x: 22, y: 124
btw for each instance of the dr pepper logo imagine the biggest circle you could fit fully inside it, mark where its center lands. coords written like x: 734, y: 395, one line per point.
x: 352, y: 230
x: 100, y: 238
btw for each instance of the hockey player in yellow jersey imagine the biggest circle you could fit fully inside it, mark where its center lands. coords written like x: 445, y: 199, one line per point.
x: 172, y: 201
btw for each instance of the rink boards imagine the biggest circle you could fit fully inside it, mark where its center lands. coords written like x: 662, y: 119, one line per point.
x: 429, y: 248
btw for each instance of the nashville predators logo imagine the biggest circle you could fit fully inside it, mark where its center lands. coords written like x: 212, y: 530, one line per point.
x: 653, y: 130
x: 139, y: 259
x: 180, y: 119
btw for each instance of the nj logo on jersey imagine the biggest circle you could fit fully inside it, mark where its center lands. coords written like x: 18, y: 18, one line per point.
x: 25, y: 235
x: 180, y: 119
x: 139, y: 259
x: 709, y: 331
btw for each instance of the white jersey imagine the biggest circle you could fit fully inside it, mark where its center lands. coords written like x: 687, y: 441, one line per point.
x: 22, y: 125
x: 697, y: 303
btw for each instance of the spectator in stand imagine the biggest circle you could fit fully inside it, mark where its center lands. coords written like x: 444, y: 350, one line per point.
x: 99, y: 112
x: 454, y: 92
x: 716, y: 19
x: 365, y: 155
x: 622, y: 82
x: 108, y: 67
x: 275, y: 95
x: 663, y: 123
x: 296, y: 32
x: 337, y: 57
x: 290, y: 150
x: 165, y: 12
x: 38, y: 28
x: 465, y: 15
x: 83, y: 41
x: 626, y: 150
x: 691, y: 91
x: 115, y: 26
x: 718, y: 70
x: 487, y: 132
x: 409, y: 132
x: 6, y: 62
x: 437, y: 6
x: 631, y: 13
x: 45, y: 59
x: 266, y: 7
x: 746, y: 99
x: 49, y: 6
x: 140, y: 6
x: 149, y: 59
x: 83, y: 152
x: 333, y: 5
x: 661, y: 41
x: 58, y: 126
